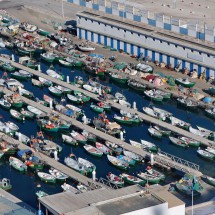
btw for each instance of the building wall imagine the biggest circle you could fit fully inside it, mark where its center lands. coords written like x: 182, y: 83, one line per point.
x: 179, y: 210
x: 161, y: 209
x: 144, y: 45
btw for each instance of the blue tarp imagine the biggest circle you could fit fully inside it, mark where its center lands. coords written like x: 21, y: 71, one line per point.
x: 96, y: 55
x: 69, y: 112
x: 23, y: 152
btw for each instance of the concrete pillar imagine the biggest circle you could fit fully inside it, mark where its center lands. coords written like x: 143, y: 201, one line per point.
x: 84, y: 119
x: 67, y: 79
x: 121, y: 135
x: 19, y: 136
x: 94, y: 175
x: 55, y: 155
x: 39, y: 67
x: 152, y: 159
x: 51, y: 104
x: 12, y: 57
x: 134, y: 105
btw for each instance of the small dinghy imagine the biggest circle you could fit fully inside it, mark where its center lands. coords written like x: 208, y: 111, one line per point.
x: 154, y: 172
x: 136, y: 86
x: 149, y: 146
x: 41, y: 194
x: 54, y: 74
x: 152, y: 179
x: 89, y: 167
x: 198, y: 132
x: 68, y: 187
x: 58, y: 174
x: 35, y: 111
x: 26, y: 93
x: 153, y: 96
x: 211, y: 150
x: 74, y: 164
x: 91, y: 88
x: 12, y: 126
x: 17, y: 115
x: 128, y: 160
x: 210, y: 180
x: 118, y: 78
x: 190, y: 141
x: 65, y: 63
x: 46, y: 177
x: 206, y: 155
x: 93, y: 151
x: 54, y: 91
x: 124, y: 103
x: 21, y: 75
x: 74, y: 99
x: 150, y: 112
x: 118, y: 163
x: 64, y: 90
x: 45, y: 82
x: 187, y: 103
x: 5, y: 104
x: 154, y: 133
x: 90, y: 137
x: 96, y: 108
x: 48, y: 57
x: 27, y: 114
x: 184, y: 82
x: 179, y: 123
x: 101, y: 147
x: 37, y: 83
x: 163, y: 131
x: 178, y: 142
x: 17, y: 164
x: 210, y: 112
x: 120, y: 96
x: 115, y: 180
x: 78, y: 137
x: 70, y: 140
x: 130, y: 179
x: 133, y: 156
x: 86, y: 48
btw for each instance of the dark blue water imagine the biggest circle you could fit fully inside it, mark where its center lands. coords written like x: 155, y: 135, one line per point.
x: 25, y: 185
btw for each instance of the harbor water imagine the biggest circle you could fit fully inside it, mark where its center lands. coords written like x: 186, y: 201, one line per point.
x: 25, y: 185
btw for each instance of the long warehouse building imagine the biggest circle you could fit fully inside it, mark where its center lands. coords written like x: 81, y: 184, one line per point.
x: 141, y: 39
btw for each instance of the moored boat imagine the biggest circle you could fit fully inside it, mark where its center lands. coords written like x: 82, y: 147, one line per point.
x: 163, y: 131
x: 178, y: 142
x: 42, y: 32
x: 154, y: 133
x: 184, y: 82
x: 93, y: 151
x: 154, y: 172
x: 74, y: 164
x: 130, y: 179
x: 5, y: 184
x: 17, y: 164
x: 46, y: 177
x: 152, y: 179
x: 41, y: 194
x: 70, y: 140
x: 96, y: 108
x: 152, y: 96
x: 117, y: 162
x: 58, y: 174
x: 115, y: 180
x: 210, y: 180
x: 54, y: 91
x: 149, y: 146
x: 206, y: 155
x: 101, y: 147
x: 78, y: 137
x: 118, y: 78
x: 133, y: 155
x: 187, y: 103
x: 210, y: 112
x: 17, y: 115
x: 5, y: 104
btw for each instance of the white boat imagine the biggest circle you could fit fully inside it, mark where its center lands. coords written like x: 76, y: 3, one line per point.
x: 144, y: 68
x: 74, y: 108
x: 204, y: 130
x: 87, y: 164
x: 103, y: 148
x: 67, y: 187
x: 211, y: 150
x: 55, y: 91
x: 26, y: 93
x: 136, y: 144
x: 148, y: 145
x: 63, y: 89
x: 58, y: 174
x: 85, y: 48
x: 12, y: 126
x: 22, y: 137
x: 117, y: 162
x: 91, y: 88
x: 198, y: 132
x: 45, y: 81
x: 124, y: 103
x: 65, y: 63
x: 119, y: 96
x: 179, y: 123
x: 46, y: 177
x: 29, y: 27
x: 2, y: 44
x: 36, y: 82
x: 54, y: 74
x: 133, y: 155
x: 68, y: 139
x: 4, y: 103
x: 130, y: 71
x: 35, y: 111
x: 11, y: 83
x: 150, y: 112
x: 74, y: 164
x: 162, y: 113
x: 49, y: 145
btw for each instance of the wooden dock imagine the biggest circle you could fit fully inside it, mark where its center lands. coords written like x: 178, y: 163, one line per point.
x: 55, y: 164
x: 170, y: 161
x: 117, y: 106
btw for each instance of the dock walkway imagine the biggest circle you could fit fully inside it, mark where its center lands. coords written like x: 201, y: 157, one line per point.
x: 170, y: 161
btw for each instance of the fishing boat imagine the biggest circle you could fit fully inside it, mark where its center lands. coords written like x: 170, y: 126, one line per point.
x: 48, y: 57
x: 35, y: 111
x: 17, y: 115
x: 106, y: 106
x: 21, y: 75
x: 5, y: 184
x: 74, y: 164
x: 7, y: 66
x: 96, y: 108
x: 49, y: 146
x: 24, y: 50
x: 1, y: 154
x: 163, y: 131
x: 27, y: 114
x: 118, y: 163
x: 45, y: 82
x: 206, y: 155
x: 41, y: 194
x: 28, y: 62
x: 149, y: 146
x: 90, y: 136
x: 82, y: 188
x: 30, y: 159
x: 68, y: 187
x: 163, y: 114
x: 124, y: 103
x: 22, y: 137
x: 74, y: 61
x: 54, y: 91
x: 114, y: 147
x: 208, y: 133
x: 8, y: 148
x: 9, y: 45
x: 210, y: 150
x: 164, y: 94
x: 65, y: 63
x: 130, y: 179
x: 93, y: 151
x: 118, y: 78
x: 101, y: 147
x: 128, y: 160
x: 136, y: 85
x: 29, y: 27
x: 75, y: 99
x: 58, y: 174
x: 152, y: 96
x: 37, y: 83
x: 26, y: 93
x: 86, y: 48
x: 13, y: 83
x: 89, y: 167
x: 115, y: 180
x: 78, y: 137
x: 64, y: 90
x: 12, y: 126
x: 81, y: 95
x: 184, y: 82
x: 5, y: 104
x: 210, y: 180
x: 152, y: 179
x: 150, y: 112
x: 187, y: 190
x: 46, y: 177
x: 187, y: 103
x: 133, y: 156
x: 154, y: 133
x: 179, y: 123
x: 198, y: 132
x: 210, y: 112
x: 54, y: 74
x: 70, y: 140
x: 144, y: 68
x: 78, y: 111
x: 47, y: 125
x: 99, y: 86
x: 17, y: 164
x: 190, y: 141
x: 119, y: 96
x: 178, y: 142
x: 154, y: 172
x: 42, y: 32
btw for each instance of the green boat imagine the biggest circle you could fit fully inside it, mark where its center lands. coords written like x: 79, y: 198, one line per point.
x: 149, y: 146
x: 17, y: 104
x: 139, y: 87
x: 210, y: 180
x: 54, y: 91
x: 184, y: 82
x: 210, y: 112
x: 121, y: 164
x: 106, y: 106
x: 46, y: 177
x: 81, y: 95
x: 90, y: 137
x: 17, y: 115
x: 130, y: 179
x: 178, y: 142
x: 206, y: 155
x: 25, y: 50
x: 17, y: 164
x: 115, y: 180
x: 74, y: 62
x: 27, y: 114
x: 47, y: 126
x: 7, y: 67
x: 5, y: 104
x: 60, y: 176
x: 211, y: 91
x: 118, y: 78
x: 152, y: 96
x: 70, y: 140
x: 124, y: 120
x: 163, y: 131
x: 42, y: 32
x: 74, y: 164
x: 48, y: 57
x: 92, y: 150
x: 41, y: 194
x: 5, y: 184
x: 187, y: 190
x: 154, y: 133
x: 149, y: 178
x: 190, y: 141
x: 21, y: 75
x: 74, y: 99
x: 96, y: 108
x: 65, y: 63
x: 154, y: 172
